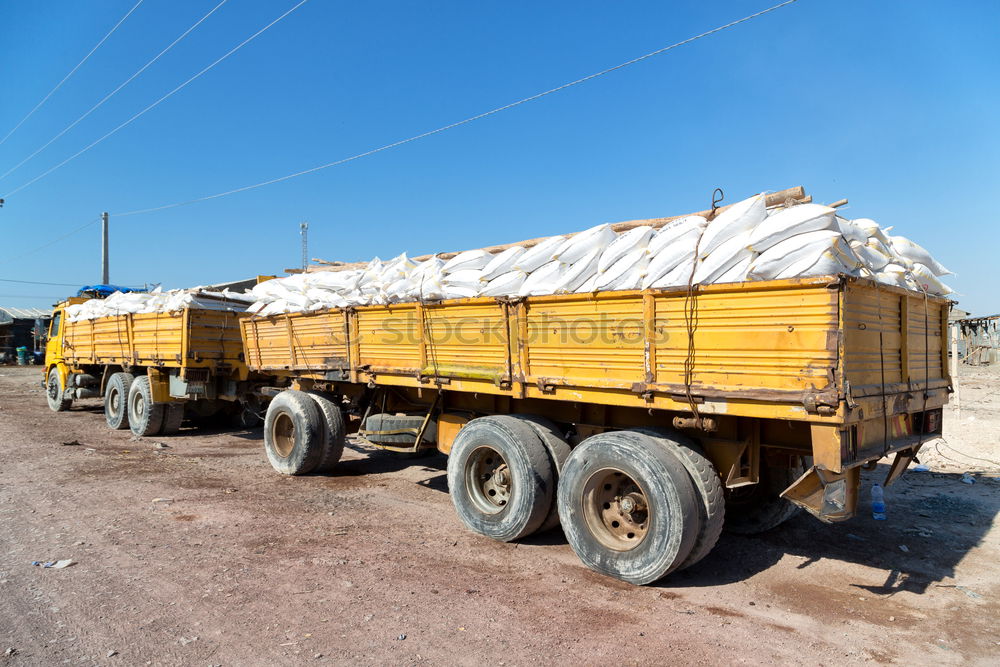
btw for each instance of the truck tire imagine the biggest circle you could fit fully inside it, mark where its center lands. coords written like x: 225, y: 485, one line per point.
x: 755, y: 509
x: 558, y: 450
x: 116, y: 400
x: 293, y: 433
x: 628, y: 507
x: 500, y: 477
x: 54, y: 392
x: 144, y: 416
x: 707, y: 486
x: 334, y: 432
x: 384, y: 421
x: 173, y: 416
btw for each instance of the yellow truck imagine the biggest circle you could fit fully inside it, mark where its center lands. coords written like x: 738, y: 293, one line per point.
x: 150, y: 368
x: 640, y: 420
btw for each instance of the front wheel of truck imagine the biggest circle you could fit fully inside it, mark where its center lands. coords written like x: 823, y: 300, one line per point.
x: 500, y: 478
x: 628, y: 507
x: 294, y: 433
x: 54, y: 391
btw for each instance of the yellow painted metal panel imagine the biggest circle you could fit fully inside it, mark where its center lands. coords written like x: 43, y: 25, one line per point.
x: 776, y: 348
x: 874, y: 337
x: 749, y: 339
x: 582, y: 338
x: 467, y: 340
x: 305, y: 341
x: 389, y: 337
x: 200, y: 339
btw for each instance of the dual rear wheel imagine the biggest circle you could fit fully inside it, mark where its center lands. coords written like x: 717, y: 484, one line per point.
x: 634, y: 505
x: 304, y: 432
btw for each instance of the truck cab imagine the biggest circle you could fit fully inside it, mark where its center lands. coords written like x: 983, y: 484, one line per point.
x: 56, y: 378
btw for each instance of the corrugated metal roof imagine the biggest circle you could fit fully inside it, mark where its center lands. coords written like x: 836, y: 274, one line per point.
x: 7, y: 314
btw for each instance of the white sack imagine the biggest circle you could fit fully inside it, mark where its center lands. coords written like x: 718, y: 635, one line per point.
x: 502, y: 262
x: 667, y: 258
x: 790, y: 221
x: 679, y: 275
x: 872, y: 254
x: 852, y: 232
x: 676, y: 231
x: 470, y: 259
x: 793, y: 250
x: 540, y: 254
x: 471, y: 278
x: 872, y: 228
x: 736, y: 219
x: 579, y: 272
x: 724, y: 257
x: 615, y: 274
x: 580, y: 245
x: 915, y: 253
x: 506, y: 284
x: 542, y: 280
x: 926, y: 279
x: 636, y: 238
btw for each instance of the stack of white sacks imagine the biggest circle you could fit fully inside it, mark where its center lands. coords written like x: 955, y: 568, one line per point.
x: 744, y: 242
x: 158, y: 301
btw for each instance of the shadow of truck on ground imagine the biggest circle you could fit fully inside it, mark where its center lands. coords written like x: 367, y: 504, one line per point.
x: 933, y: 521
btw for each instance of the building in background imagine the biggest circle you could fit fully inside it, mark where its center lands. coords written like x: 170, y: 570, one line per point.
x: 22, y: 328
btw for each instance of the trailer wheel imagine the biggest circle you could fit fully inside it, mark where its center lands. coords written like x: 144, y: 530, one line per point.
x: 756, y: 509
x: 144, y: 416
x: 116, y: 400
x: 54, y: 392
x: 500, y: 477
x: 707, y: 485
x: 628, y: 507
x: 334, y: 432
x: 173, y: 416
x: 293, y: 433
x: 559, y: 451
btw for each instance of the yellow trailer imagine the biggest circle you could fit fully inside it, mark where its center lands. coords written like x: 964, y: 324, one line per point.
x: 639, y: 420
x: 149, y: 367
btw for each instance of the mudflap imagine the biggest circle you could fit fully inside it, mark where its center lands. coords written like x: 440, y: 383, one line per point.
x: 830, y: 497
x: 900, y: 464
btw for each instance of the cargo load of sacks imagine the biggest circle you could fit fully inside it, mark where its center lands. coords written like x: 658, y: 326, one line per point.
x: 158, y: 301
x: 744, y: 242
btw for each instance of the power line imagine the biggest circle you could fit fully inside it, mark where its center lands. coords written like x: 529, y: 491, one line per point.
x: 55, y: 240
x: 71, y: 72
x: 113, y: 92
x: 33, y: 282
x: 31, y: 296
x: 157, y: 102
x: 458, y: 123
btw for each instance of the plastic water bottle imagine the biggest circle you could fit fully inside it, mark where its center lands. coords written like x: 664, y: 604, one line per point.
x: 878, y: 503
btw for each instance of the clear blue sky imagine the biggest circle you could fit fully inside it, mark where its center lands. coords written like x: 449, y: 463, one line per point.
x: 890, y: 104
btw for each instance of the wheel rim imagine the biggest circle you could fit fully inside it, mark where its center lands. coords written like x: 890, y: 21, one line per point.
x: 53, y: 387
x: 488, y: 479
x: 114, y: 401
x: 283, y: 435
x: 616, y: 509
x: 138, y: 406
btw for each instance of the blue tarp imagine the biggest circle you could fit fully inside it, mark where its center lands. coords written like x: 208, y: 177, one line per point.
x: 103, y: 291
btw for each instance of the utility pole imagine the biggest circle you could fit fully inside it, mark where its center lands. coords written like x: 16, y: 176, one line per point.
x: 304, y: 230
x: 104, y: 249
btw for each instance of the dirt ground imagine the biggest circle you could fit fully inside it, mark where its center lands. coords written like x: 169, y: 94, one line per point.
x: 197, y: 553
